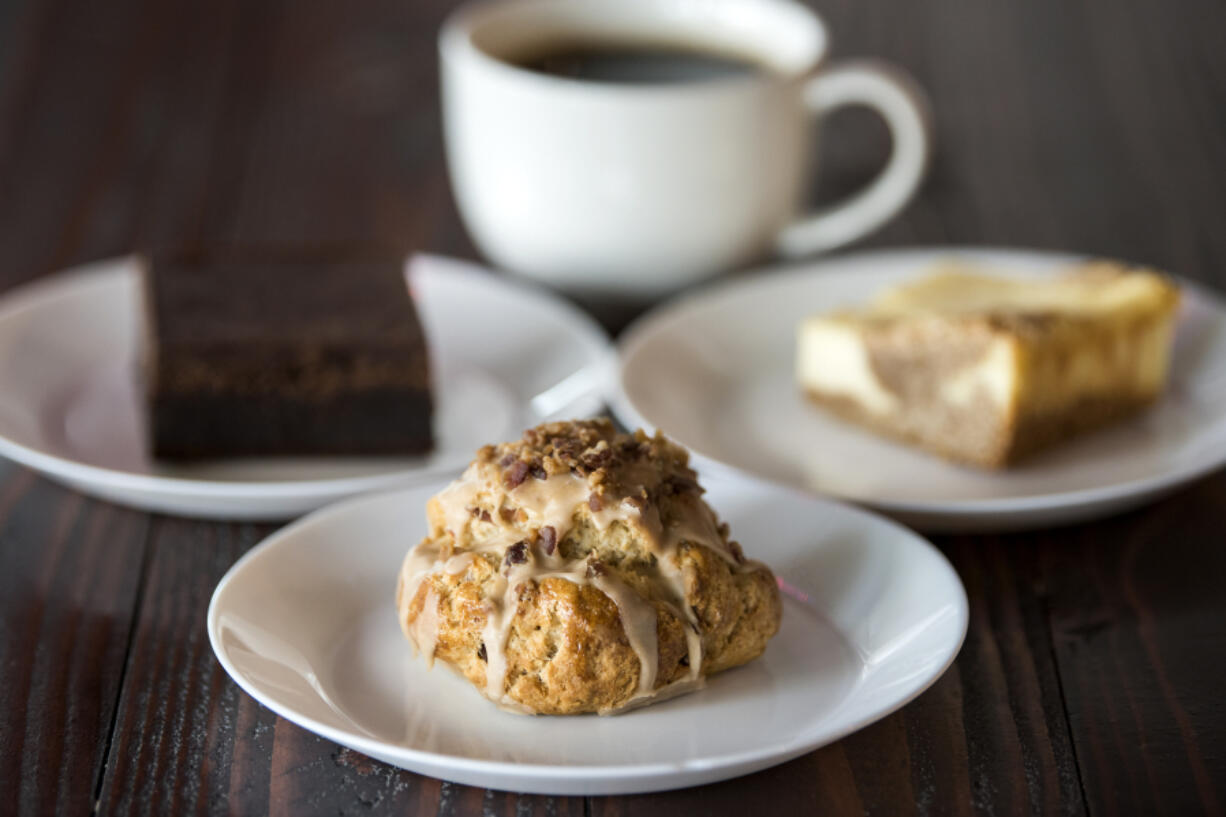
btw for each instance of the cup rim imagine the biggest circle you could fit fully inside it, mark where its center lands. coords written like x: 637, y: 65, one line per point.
x: 456, y: 40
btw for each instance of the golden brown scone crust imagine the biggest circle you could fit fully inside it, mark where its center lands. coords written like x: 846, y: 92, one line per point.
x: 639, y: 521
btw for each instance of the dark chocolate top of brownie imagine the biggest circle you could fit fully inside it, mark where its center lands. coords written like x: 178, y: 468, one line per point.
x: 318, y: 329
x: 262, y: 304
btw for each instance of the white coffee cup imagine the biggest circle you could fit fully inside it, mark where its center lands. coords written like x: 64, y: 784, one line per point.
x: 639, y: 189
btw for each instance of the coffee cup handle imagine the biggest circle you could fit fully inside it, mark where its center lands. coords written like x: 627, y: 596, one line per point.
x: 904, y: 108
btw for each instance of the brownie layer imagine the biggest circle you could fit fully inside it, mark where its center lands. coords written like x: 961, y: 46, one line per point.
x: 249, y: 358
x: 373, y: 422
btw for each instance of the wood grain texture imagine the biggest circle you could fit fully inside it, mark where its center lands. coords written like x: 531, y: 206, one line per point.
x: 1136, y: 613
x: 68, y: 588
x: 174, y: 718
x: 988, y: 738
x: 1087, y: 683
x: 188, y: 741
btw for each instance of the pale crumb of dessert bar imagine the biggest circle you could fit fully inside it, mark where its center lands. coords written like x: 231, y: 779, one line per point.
x: 986, y: 370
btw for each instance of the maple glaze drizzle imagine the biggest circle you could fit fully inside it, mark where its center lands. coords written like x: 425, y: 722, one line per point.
x: 556, y: 501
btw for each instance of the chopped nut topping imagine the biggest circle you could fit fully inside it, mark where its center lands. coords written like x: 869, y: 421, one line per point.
x: 549, y: 539
x: 737, y: 553
x: 677, y: 484
x: 517, y: 553
x: 516, y: 474
x: 598, y: 457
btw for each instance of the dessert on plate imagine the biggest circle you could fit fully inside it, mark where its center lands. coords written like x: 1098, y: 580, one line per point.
x: 579, y: 569
x: 986, y: 370
x: 276, y: 357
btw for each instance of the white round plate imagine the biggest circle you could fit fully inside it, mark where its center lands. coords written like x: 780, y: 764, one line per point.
x: 714, y: 371
x: 306, y: 624
x: 505, y: 356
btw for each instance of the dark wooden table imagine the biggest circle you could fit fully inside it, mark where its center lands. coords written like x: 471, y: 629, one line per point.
x: 1093, y: 675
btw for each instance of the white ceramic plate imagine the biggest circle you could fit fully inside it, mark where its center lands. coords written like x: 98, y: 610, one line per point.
x: 505, y: 356
x: 306, y: 624
x: 714, y: 371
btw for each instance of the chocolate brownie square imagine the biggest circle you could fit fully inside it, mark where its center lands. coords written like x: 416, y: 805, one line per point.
x: 277, y: 357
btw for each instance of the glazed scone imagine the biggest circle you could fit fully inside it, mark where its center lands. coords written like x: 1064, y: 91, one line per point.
x: 580, y: 570
x: 986, y: 370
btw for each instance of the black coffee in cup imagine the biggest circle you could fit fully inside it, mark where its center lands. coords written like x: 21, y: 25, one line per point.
x: 634, y: 147
x: 638, y: 63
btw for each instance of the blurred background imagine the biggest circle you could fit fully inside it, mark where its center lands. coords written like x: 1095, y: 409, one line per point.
x: 1092, y: 125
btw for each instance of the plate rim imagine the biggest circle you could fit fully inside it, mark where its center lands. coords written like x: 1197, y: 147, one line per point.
x: 114, y: 271
x: 651, y: 776
x: 626, y: 411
